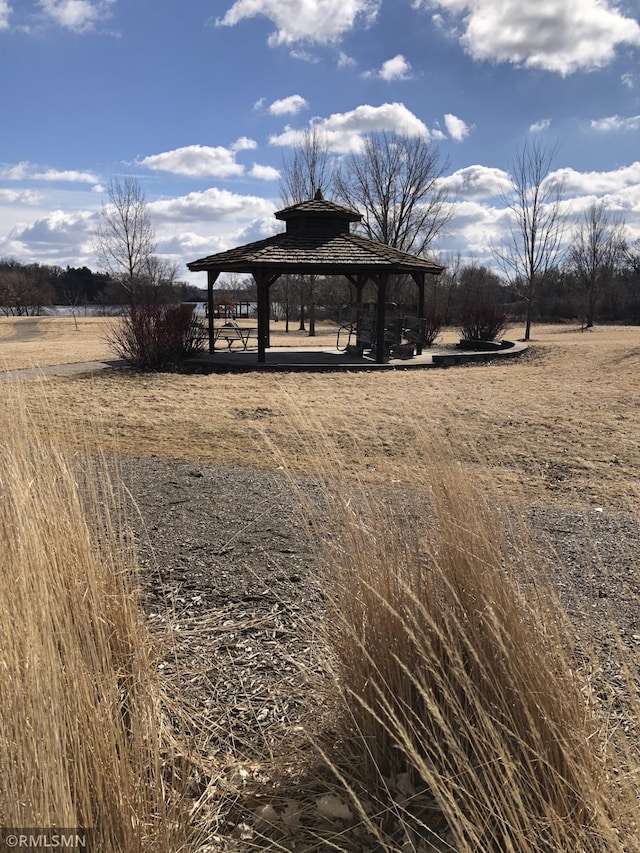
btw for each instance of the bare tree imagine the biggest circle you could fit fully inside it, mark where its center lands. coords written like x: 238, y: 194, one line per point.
x: 157, y: 278
x: 597, y: 249
x: 124, y: 239
x: 304, y: 174
x: 482, y: 312
x: 307, y: 170
x: 445, y: 287
x: 394, y: 181
x: 533, y: 243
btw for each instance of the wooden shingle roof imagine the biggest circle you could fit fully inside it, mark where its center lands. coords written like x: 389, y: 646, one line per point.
x: 317, y: 241
x: 318, y: 206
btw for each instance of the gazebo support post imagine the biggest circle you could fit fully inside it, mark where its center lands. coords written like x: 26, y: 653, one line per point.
x: 360, y: 283
x: 212, y: 277
x: 418, y: 277
x: 263, y: 315
x: 263, y: 282
x: 381, y: 318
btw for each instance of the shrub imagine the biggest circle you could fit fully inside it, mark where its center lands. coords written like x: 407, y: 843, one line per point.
x: 432, y: 328
x: 482, y: 320
x: 482, y: 313
x: 157, y: 337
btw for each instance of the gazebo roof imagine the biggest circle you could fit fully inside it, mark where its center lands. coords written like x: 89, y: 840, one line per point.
x: 318, y: 207
x: 317, y: 241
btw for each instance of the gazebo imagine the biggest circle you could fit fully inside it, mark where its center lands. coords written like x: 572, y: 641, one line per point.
x: 317, y: 241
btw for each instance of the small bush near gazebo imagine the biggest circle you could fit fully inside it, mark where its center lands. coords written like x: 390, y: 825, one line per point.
x: 482, y: 313
x: 158, y: 337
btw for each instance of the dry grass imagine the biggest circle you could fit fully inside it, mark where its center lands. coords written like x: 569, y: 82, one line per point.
x: 466, y: 720
x: 560, y: 422
x: 83, y: 742
x: 466, y: 714
x: 59, y: 342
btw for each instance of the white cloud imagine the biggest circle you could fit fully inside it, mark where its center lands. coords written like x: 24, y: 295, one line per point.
x: 243, y: 143
x: 70, y: 175
x: 456, y: 127
x: 259, y: 229
x: 539, y: 126
x: 344, y: 132
x: 304, y: 56
x: 288, y: 106
x: 197, y: 161
x: 27, y: 171
x: 319, y: 21
x: 474, y: 228
x: 345, y: 61
x: 17, y: 172
x: 614, y: 123
x: 264, y: 173
x: 628, y: 80
x: 5, y: 13
x: 397, y: 68
x: 475, y: 182
x: 562, y: 36
x: 76, y: 15
x: 57, y: 238
x: 211, y: 205
x: 190, y: 245
x: 598, y: 183
x: 19, y: 197
x: 479, y: 217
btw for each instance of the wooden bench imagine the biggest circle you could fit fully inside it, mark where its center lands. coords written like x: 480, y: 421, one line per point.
x: 231, y: 333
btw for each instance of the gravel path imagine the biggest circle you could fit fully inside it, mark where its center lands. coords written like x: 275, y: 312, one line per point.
x: 226, y: 559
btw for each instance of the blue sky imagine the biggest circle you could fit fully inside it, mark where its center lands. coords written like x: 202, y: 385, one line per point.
x: 200, y: 101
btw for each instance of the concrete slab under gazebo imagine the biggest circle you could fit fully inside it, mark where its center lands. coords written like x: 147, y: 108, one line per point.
x: 317, y: 241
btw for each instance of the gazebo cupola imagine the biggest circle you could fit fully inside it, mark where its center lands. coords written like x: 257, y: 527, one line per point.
x: 318, y: 216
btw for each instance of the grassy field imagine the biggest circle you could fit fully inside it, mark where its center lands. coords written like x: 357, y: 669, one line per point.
x: 56, y: 341
x: 559, y: 423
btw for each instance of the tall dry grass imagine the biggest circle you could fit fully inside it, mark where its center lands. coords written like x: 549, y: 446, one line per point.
x: 466, y: 719
x: 83, y: 741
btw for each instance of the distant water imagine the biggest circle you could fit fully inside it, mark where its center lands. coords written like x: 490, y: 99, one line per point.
x: 100, y: 310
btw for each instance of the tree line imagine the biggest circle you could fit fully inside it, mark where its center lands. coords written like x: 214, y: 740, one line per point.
x: 546, y: 266
x: 26, y: 289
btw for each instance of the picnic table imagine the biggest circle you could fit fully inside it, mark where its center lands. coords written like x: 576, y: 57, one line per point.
x: 232, y: 332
